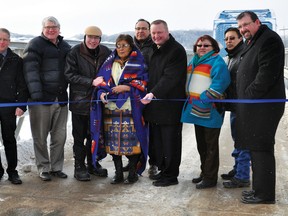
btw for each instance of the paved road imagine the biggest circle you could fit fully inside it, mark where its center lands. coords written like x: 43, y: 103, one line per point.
x: 98, y: 197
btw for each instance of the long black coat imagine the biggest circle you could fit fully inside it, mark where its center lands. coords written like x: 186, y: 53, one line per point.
x: 12, y: 84
x: 260, y: 76
x: 80, y: 71
x: 167, y: 78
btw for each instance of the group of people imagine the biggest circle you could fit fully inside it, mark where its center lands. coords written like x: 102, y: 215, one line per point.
x: 256, y: 72
x: 133, y: 101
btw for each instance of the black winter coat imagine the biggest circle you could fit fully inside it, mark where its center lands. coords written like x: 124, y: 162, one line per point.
x: 44, y: 64
x: 260, y: 76
x: 12, y: 84
x: 167, y: 78
x: 233, y: 60
x: 146, y: 48
x: 80, y: 71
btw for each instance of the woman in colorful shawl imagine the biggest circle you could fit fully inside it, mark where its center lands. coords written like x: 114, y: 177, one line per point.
x: 125, y: 133
x: 207, y: 79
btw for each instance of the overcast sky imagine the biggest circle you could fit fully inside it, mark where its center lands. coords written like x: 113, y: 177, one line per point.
x: 113, y: 16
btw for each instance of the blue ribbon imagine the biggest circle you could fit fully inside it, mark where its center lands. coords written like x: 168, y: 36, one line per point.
x: 251, y: 101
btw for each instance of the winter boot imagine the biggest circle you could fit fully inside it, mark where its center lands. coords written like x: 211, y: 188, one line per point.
x: 118, y: 178
x: 80, y: 172
x: 126, y: 168
x: 132, y: 176
x: 98, y: 170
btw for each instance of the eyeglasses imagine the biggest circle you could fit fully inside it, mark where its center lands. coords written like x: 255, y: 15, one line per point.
x: 119, y: 46
x: 141, y: 28
x: 229, y: 38
x: 95, y: 37
x: 203, y: 45
x: 244, y: 25
x: 51, y: 27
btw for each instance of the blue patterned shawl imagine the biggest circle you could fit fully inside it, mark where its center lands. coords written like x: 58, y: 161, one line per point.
x: 134, y: 75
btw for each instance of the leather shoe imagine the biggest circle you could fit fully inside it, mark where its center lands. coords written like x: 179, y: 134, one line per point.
x: 205, y: 184
x: 156, y: 177
x: 248, y: 193
x: 59, y: 174
x: 45, y: 176
x: 197, y: 180
x: 81, y: 175
x: 164, y: 182
x: 255, y: 200
x: 98, y: 170
x: 236, y: 183
x: 14, y: 178
x: 229, y: 175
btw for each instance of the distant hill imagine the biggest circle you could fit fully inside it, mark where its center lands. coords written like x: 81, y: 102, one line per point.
x: 186, y: 37
x: 20, y: 37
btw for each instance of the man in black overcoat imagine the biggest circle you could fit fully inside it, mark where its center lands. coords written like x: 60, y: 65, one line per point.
x: 260, y: 76
x: 167, y: 77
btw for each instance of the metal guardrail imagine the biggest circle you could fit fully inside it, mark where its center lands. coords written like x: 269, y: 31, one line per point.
x: 19, y: 46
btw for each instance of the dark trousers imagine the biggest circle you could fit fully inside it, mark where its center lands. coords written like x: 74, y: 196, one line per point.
x: 263, y: 174
x: 167, y: 140
x: 8, y: 127
x: 151, y: 150
x: 208, y: 148
x: 80, y: 132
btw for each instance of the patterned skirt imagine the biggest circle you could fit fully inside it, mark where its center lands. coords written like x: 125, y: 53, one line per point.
x: 120, y: 133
